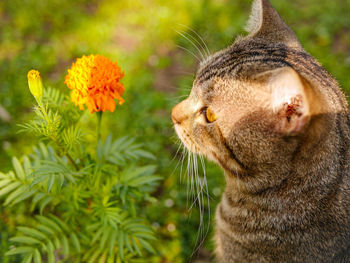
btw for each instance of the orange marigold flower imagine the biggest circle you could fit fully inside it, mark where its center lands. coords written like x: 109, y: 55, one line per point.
x: 95, y: 81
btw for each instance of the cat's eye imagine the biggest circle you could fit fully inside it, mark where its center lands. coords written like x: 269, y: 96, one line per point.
x: 209, y: 115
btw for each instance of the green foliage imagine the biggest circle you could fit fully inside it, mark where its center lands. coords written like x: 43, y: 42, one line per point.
x: 86, y: 206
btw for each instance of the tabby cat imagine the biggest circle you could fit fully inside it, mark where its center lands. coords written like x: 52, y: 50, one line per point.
x: 278, y: 124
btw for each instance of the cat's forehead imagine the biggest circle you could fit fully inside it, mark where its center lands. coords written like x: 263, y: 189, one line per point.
x: 226, y: 90
x: 242, y: 59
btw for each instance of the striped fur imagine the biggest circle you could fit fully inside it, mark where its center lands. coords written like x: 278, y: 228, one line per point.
x: 287, y: 197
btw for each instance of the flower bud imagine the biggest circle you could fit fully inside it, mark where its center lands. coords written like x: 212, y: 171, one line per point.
x: 35, y: 84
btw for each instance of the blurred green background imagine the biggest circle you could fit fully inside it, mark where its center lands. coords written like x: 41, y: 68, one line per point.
x: 142, y: 36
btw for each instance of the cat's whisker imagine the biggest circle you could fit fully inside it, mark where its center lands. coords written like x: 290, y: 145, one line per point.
x: 202, y: 232
x: 180, y: 159
x: 182, y: 163
x: 198, y: 192
x: 184, y: 152
x: 177, y: 151
x: 185, y: 87
x: 199, y: 186
x: 201, y: 39
x: 198, y: 182
x: 189, y: 177
x: 202, y: 48
x: 194, y: 183
x: 200, y: 196
x: 193, y: 176
x: 182, y: 96
x: 187, y: 73
x: 204, y: 176
x: 202, y: 185
x: 193, y: 43
x: 189, y: 51
x: 176, y: 98
x: 181, y: 148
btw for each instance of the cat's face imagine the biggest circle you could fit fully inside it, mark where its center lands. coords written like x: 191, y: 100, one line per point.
x: 249, y: 106
x: 214, y: 111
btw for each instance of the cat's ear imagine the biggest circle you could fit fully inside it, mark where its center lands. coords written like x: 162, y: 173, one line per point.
x: 266, y: 23
x: 289, y: 100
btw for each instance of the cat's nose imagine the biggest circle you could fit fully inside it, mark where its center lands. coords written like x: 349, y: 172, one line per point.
x: 178, y: 114
x: 175, y: 114
x: 173, y: 118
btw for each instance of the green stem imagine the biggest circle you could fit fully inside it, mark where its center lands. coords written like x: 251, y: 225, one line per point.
x: 99, y: 119
x: 66, y: 153
x: 98, y: 164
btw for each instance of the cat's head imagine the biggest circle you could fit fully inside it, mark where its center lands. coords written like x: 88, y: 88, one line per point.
x: 253, y: 103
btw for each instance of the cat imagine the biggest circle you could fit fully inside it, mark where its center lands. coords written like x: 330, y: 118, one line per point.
x: 278, y: 124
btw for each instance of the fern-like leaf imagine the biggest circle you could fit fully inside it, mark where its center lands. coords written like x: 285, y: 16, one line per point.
x: 48, y: 238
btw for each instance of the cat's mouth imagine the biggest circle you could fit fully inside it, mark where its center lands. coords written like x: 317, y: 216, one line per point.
x: 230, y: 164
x: 186, y: 139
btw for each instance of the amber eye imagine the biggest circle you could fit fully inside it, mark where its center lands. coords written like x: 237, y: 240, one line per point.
x: 209, y: 115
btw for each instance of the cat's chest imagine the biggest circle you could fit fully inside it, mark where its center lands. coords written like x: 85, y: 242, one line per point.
x: 249, y: 222
x: 266, y: 222
x: 256, y: 231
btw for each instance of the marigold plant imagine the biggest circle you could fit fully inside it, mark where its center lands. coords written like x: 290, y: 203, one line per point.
x: 82, y: 202
x: 95, y: 82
